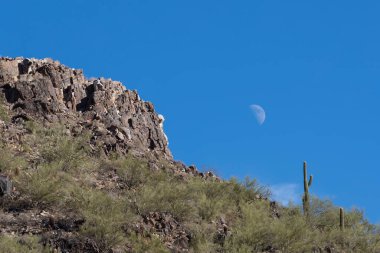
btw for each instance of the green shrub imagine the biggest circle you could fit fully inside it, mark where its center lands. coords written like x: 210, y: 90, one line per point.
x: 359, y: 235
x: 167, y: 196
x: 105, y: 217
x: 3, y: 112
x: 257, y: 231
x: 224, y: 198
x: 292, y: 234
x: 210, y: 198
x: 63, y: 175
x: 252, y: 233
x: 360, y: 240
x: 203, y: 237
x: 147, y: 245
x: 132, y: 171
x: 56, y: 145
x: 32, y: 127
x: 9, y: 162
x: 323, y: 214
x: 193, y: 198
x: 65, y: 151
x: 45, y: 185
x: 16, y: 244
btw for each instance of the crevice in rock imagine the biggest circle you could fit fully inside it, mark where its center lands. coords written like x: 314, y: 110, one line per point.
x: 11, y: 94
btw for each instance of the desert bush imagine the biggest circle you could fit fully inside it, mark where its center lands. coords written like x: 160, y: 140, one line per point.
x: 210, y: 201
x: 166, y: 196
x: 351, y: 240
x: 224, y: 198
x: 147, y: 245
x: 210, y: 198
x: 9, y: 162
x: 203, y: 237
x: 105, y: 217
x: 245, y: 191
x: 16, y: 244
x: 358, y: 236
x: 56, y: 145
x: 194, y: 198
x: 44, y: 185
x: 154, y: 191
x: 32, y: 127
x: 64, y: 177
x: 251, y: 233
x: 257, y: 231
x: 3, y: 112
x: 292, y: 234
x: 132, y: 171
x: 64, y: 150
x: 323, y: 214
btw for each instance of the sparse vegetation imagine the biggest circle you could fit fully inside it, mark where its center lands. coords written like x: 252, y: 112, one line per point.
x: 68, y: 178
x: 9, y: 163
x: 43, y: 186
x: 149, y: 245
x: 17, y: 244
x: 3, y: 113
x: 105, y: 217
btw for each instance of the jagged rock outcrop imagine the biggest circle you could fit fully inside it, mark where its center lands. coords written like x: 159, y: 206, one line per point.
x: 111, y: 119
x: 117, y: 118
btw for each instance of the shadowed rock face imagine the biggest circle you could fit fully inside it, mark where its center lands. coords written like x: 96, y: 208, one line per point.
x: 53, y: 93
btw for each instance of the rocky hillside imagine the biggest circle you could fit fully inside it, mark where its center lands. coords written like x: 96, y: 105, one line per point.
x: 85, y: 167
x: 119, y: 120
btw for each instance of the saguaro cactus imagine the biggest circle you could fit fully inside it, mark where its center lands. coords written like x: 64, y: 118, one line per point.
x: 306, y: 185
x: 341, y: 219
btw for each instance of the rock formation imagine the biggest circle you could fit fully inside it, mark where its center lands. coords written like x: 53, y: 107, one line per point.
x: 117, y: 118
x: 113, y: 120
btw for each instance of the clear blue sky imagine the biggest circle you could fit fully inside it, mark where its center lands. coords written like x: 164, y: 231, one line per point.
x: 313, y: 65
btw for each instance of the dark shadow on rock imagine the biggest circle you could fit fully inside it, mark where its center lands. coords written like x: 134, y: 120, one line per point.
x: 11, y: 94
x: 86, y: 101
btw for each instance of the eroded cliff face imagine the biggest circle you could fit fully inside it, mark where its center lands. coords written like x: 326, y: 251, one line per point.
x: 48, y: 91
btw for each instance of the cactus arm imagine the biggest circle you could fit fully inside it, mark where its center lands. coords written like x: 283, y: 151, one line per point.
x: 310, y: 181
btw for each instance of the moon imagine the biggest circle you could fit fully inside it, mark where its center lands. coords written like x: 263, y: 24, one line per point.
x: 259, y: 113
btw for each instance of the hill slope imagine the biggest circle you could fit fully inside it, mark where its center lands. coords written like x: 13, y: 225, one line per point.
x: 85, y: 167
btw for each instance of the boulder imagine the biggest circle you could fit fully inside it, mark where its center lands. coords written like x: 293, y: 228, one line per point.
x: 5, y: 185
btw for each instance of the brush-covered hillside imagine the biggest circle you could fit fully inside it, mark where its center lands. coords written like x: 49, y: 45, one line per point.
x: 85, y: 167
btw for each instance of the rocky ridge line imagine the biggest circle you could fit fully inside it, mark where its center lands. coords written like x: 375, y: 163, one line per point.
x: 50, y: 92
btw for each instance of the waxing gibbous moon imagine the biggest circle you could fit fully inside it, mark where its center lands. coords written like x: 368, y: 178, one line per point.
x: 259, y: 113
